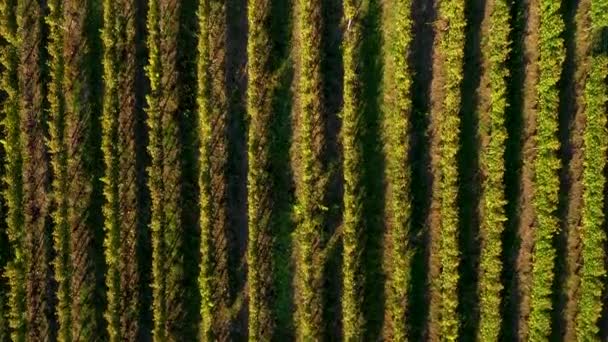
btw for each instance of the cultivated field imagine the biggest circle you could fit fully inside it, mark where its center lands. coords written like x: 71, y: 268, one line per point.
x: 310, y: 170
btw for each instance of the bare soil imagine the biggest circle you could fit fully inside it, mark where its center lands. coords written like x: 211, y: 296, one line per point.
x: 526, y: 207
x: 40, y: 286
x: 434, y: 218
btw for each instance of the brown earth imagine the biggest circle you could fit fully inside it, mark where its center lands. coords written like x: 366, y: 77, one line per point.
x: 134, y: 235
x: 40, y: 295
x: 526, y: 207
x: 82, y: 87
x: 434, y: 218
x: 219, y: 159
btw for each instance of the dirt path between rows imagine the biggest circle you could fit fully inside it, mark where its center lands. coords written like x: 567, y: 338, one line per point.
x: 434, y: 219
x: 521, y: 293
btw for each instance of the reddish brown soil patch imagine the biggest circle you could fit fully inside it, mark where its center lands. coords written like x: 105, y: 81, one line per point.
x: 526, y: 207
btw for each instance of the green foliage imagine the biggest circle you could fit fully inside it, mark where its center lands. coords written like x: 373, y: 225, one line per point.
x: 311, y: 183
x: 111, y: 210
x: 595, y: 137
x: 212, y: 122
x: 546, y: 167
x: 213, y: 119
x: 353, y: 320
x: 205, y: 105
x: 495, y: 52
x: 164, y: 173
x: 155, y: 174
x: 592, y: 231
x: 72, y: 98
x: 73, y: 101
x: 259, y: 106
x: 123, y: 209
x: 13, y: 194
x: 397, y: 111
x: 599, y: 14
x: 450, y: 47
x: 61, y: 231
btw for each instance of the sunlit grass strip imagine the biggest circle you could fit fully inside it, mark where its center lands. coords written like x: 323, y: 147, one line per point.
x: 155, y: 174
x: 111, y: 210
x: 495, y: 51
x: 593, y: 236
x: 450, y: 48
x: 353, y: 319
x: 398, y: 108
x: 211, y: 102
x: 13, y: 194
x: 205, y: 103
x: 164, y: 172
x: 259, y: 89
x: 310, y: 189
x: 59, y: 156
x: 546, y: 167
